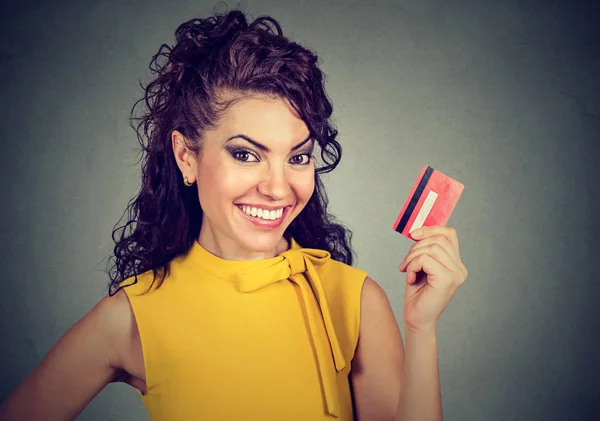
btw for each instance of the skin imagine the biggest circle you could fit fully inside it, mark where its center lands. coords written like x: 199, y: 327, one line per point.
x: 389, y: 381
x: 237, y: 172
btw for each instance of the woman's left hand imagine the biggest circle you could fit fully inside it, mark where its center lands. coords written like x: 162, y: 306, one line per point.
x: 434, y: 272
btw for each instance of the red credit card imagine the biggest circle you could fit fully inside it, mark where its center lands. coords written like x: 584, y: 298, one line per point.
x: 430, y: 202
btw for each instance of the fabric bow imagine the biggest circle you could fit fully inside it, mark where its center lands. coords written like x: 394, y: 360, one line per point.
x: 300, y: 266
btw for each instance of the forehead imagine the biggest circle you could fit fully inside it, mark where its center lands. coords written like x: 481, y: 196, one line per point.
x: 264, y: 118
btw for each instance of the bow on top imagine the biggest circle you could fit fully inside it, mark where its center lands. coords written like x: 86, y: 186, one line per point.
x: 299, y: 266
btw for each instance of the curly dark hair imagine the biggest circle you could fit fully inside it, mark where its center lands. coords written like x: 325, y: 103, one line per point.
x: 220, y: 53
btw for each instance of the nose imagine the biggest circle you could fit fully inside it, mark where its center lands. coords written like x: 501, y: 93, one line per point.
x: 275, y: 183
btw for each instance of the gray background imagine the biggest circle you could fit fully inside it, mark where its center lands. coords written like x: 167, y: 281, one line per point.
x: 504, y: 96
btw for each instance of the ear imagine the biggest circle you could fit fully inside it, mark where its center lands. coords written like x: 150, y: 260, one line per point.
x: 183, y: 156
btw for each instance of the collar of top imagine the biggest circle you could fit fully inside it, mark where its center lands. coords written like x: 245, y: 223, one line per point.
x: 298, y: 265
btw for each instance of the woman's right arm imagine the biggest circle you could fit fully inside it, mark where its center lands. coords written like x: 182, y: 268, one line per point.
x: 85, y: 359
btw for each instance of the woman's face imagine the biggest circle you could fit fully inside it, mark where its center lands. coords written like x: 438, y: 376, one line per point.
x: 254, y: 175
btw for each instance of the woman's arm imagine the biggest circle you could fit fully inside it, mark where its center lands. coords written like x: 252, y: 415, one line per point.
x: 421, y: 397
x: 76, y: 369
x: 390, y: 382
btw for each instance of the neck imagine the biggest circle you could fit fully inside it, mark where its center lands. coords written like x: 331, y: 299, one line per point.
x: 229, y: 248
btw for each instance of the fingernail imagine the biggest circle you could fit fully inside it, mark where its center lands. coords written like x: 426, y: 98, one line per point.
x: 416, y: 233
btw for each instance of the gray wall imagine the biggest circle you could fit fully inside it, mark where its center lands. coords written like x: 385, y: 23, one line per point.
x: 503, y: 96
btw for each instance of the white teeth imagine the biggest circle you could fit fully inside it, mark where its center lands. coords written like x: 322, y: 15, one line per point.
x: 266, y: 214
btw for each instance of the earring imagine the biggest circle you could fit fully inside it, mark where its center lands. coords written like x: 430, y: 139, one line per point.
x: 186, y: 182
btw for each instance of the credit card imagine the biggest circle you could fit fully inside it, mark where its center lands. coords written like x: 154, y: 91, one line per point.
x: 430, y: 202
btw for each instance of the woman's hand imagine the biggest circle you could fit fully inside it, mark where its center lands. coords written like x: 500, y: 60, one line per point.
x: 434, y: 272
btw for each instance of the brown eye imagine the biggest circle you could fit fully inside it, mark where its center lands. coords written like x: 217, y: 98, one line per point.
x: 302, y: 159
x: 242, y: 155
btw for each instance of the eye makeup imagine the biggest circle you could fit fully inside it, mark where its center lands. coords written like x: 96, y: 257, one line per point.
x: 235, y: 151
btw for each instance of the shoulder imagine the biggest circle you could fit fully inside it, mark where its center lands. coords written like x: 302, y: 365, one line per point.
x: 139, y: 284
x: 343, y: 274
x: 343, y: 283
x: 118, y: 326
x: 376, y: 310
x: 378, y: 326
x: 373, y: 295
x: 111, y: 322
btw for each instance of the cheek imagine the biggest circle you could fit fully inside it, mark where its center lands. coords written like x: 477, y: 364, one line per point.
x: 304, y: 186
x: 220, y: 181
x: 212, y: 184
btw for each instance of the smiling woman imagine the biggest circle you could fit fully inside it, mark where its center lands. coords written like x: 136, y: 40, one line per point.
x: 272, y: 179
x: 233, y: 295
x: 245, y: 97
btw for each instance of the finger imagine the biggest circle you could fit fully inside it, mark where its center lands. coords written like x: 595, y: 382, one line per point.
x: 425, y: 232
x: 436, y: 251
x: 434, y: 269
x: 427, y: 243
x: 455, y: 264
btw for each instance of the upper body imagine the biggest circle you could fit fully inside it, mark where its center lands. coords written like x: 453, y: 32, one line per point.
x: 233, y: 117
x: 235, y: 340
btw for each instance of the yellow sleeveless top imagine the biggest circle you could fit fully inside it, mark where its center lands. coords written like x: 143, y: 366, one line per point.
x: 256, y: 340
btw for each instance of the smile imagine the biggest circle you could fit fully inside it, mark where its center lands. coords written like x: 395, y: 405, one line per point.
x: 264, y: 218
x: 268, y: 215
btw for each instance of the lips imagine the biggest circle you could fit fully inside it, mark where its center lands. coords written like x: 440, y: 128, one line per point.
x: 265, y: 207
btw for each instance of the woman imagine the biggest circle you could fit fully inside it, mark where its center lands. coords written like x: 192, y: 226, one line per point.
x: 233, y: 295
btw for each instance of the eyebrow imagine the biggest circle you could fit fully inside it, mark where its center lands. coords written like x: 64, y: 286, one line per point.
x: 266, y: 148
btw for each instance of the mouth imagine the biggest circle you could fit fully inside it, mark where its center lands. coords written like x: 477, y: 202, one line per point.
x: 268, y: 219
